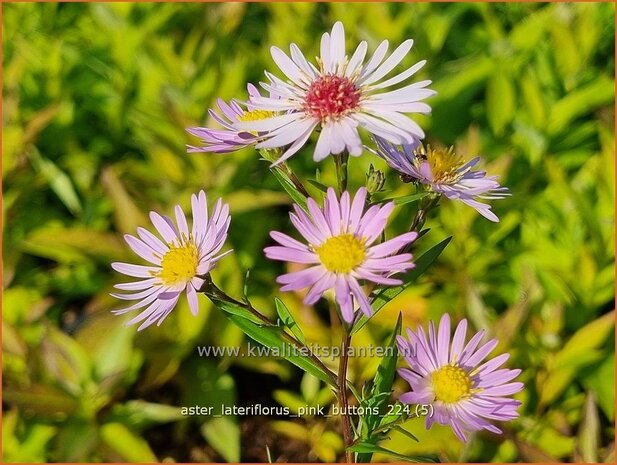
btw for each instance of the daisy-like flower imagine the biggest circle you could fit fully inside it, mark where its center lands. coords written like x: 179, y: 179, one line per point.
x: 179, y: 262
x: 230, y: 139
x: 444, y: 172
x: 464, y: 392
x: 340, y: 251
x: 339, y: 96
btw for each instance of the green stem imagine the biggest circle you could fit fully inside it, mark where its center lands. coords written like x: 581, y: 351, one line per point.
x: 342, y: 395
x: 284, y: 167
x: 340, y: 162
x: 214, y: 293
x: 426, y: 205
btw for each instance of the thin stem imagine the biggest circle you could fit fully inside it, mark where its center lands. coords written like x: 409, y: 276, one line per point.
x: 426, y: 205
x: 272, y: 155
x: 340, y: 162
x: 284, y: 167
x: 342, y: 395
x: 214, y: 293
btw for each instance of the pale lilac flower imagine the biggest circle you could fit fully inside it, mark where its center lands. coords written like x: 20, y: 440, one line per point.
x: 463, y: 393
x: 339, y: 251
x: 339, y: 95
x: 230, y: 139
x: 444, y: 172
x: 178, y: 263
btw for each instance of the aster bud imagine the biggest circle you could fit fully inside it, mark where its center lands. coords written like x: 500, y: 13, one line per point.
x: 375, y: 180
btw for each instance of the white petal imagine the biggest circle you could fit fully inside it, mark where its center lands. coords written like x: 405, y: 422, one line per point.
x: 377, y: 57
x: 287, y: 66
x: 337, y: 46
x: 356, y: 59
x: 268, y: 124
x: 322, y: 148
x: 389, y: 64
x: 291, y: 133
x: 400, y: 77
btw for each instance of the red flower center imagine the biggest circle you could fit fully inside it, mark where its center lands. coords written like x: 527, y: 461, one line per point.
x: 331, y: 96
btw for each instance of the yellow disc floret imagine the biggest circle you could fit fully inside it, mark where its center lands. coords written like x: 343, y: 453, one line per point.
x: 341, y: 254
x: 451, y: 384
x: 179, y: 264
x: 256, y: 115
x: 444, y: 163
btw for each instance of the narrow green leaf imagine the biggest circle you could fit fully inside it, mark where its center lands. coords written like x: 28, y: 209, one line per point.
x: 289, y: 187
x: 223, y: 434
x: 500, y: 101
x: 387, y: 294
x: 235, y: 310
x: 318, y: 185
x: 367, y: 447
x: 381, y: 386
x: 58, y: 180
x: 288, y: 319
x: 126, y: 444
x: 405, y: 199
x: 271, y: 337
x: 404, y: 432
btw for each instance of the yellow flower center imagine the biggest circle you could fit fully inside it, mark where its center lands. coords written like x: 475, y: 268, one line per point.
x: 444, y: 163
x: 451, y: 384
x: 179, y: 264
x: 256, y: 115
x: 341, y: 254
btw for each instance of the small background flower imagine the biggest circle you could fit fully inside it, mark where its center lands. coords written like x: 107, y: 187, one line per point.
x: 464, y: 392
x: 230, y: 139
x: 444, y: 172
x: 339, y: 251
x: 178, y: 263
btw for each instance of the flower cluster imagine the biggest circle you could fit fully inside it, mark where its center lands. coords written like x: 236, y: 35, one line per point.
x: 343, y: 251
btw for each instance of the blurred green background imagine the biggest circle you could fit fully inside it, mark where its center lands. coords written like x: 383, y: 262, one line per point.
x: 95, y: 101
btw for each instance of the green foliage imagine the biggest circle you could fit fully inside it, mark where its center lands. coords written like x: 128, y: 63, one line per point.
x: 96, y: 99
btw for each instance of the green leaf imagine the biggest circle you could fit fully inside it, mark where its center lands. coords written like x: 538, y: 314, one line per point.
x: 381, y: 387
x: 500, y: 101
x: 589, y: 434
x: 318, y: 185
x: 288, y: 319
x: 387, y: 294
x: 583, y: 349
x: 235, y: 310
x: 141, y: 414
x: 223, y: 434
x: 581, y: 101
x: 289, y: 187
x: 126, y: 444
x: 406, y: 198
x: 368, y: 448
x: 58, y: 180
x: 289, y: 399
x: 272, y: 337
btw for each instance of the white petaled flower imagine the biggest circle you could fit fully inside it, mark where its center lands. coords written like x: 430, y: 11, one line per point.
x: 178, y: 263
x: 339, y: 96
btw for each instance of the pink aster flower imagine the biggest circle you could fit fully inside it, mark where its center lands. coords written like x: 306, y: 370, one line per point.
x: 444, y: 172
x: 229, y: 139
x: 464, y: 392
x: 178, y: 262
x: 339, y: 96
x: 339, y: 251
